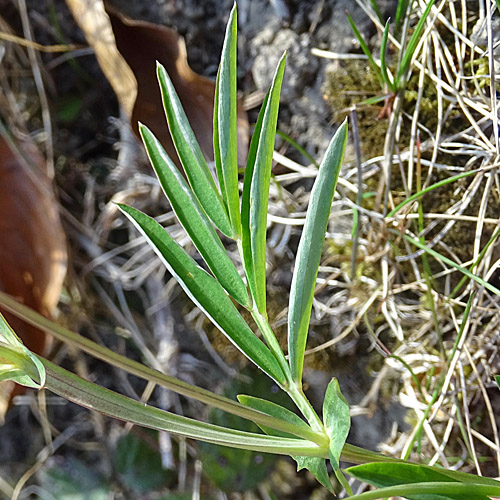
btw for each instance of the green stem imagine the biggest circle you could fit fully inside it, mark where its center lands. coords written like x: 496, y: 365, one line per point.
x: 303, y: 404
x: 350, y: 453
x: 272, y: 342
x: 295, y: 392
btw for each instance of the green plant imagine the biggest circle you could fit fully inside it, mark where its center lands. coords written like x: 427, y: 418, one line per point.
x: 407, y: 46
x: 393, y: 85
x: 202, y: 206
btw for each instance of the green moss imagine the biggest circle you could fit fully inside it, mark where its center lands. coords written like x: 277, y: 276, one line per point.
x: 351, y: 85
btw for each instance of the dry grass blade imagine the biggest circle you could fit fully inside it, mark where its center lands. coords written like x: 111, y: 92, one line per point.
x: 94, y: 22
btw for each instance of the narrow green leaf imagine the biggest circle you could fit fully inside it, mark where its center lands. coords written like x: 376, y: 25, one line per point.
x: 8, y: 335
x: 375, y: 99
x: 190, y: 154
x: 134, y: 367
x: 497, y: 380
x: 376, y: 8
x: 428, y: 189
x: 316, y: 465
x: 217, y: 153
x: 383, y: 63
x: 256, y: 191
x: 343, y: 481
x: 384, y: 475
x: 225, y: 125
x: 411, y: 47
x: 401, y: 10
x: 337, y: 421
x: 276, y: 411
x: 444, y: 259
x: 13, y: 361
x: 431, y: 491
x: 193, y: 218
x: 205, y: 292
x: 89, y: 395
x: 464, y: 477
x: 309, y: 252
x: 245, y: 200
x: 366, y: 50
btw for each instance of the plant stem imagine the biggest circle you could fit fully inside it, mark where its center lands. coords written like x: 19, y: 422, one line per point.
x: 294, y: 391
x: 303, y: 404
x: 271, y: 341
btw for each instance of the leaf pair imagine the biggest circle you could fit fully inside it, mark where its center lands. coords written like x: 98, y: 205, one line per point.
x: 337, y: 423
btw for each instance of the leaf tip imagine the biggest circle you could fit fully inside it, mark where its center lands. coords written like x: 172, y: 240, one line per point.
x: 144, y: 131
x: 159, y: 67
x: 124, y: 208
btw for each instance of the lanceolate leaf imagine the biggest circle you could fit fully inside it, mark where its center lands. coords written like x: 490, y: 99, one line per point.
x: 225, y: 125
x: 316, y: 465
x: 309, y: 252
x: 193, y: 218
x: 337, y: 421
x: 256, y: 191
x: 245, y: 201
x: 383, y: 475
x: 401, y: 10
x: 276, y: 411
x: 110, y: 403
x: 136, y: 368
x: 383, y: 62
x: 205, y: 292
x: 190, y: 154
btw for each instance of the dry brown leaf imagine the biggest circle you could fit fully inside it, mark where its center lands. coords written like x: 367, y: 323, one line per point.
x: 94, y: 22
x: 127, y: 52
x: 142, y: 44
x: 33, y: 247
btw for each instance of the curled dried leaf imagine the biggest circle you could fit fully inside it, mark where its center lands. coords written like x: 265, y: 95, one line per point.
x: 33, y: 247
x: 142, y: 44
